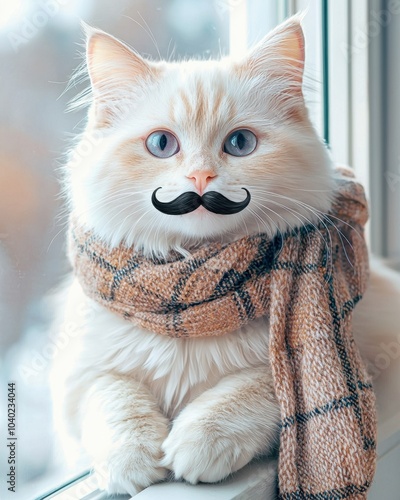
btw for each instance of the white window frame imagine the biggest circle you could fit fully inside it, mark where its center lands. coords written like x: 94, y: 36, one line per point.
x: 355, y: 112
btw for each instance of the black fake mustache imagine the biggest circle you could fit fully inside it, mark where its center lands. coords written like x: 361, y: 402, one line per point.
x: 188, y: 202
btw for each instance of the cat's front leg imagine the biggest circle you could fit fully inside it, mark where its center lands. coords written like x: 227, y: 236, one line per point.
x: 122, y: 430
x: 224, y: 428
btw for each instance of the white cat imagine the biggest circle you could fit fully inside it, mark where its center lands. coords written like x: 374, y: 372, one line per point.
x: 141, y: 403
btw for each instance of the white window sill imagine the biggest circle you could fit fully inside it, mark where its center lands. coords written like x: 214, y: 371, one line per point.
x: 257, y: 481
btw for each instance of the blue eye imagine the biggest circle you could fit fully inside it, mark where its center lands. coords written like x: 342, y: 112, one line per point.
x: 240, y: 143
x: 162, y: 144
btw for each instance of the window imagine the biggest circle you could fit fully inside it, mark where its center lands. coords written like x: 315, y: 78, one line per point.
x: 349, y: 45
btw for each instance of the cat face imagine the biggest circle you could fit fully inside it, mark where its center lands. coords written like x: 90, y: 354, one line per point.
x: 198, y: 126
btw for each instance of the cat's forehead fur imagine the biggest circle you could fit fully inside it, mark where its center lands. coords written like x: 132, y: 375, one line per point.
x: 203, y: 99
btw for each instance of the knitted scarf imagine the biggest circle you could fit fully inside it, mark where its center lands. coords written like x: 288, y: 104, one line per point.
x: 307, y: 282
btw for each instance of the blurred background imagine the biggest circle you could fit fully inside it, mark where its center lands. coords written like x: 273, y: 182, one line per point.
x: 352, y: 90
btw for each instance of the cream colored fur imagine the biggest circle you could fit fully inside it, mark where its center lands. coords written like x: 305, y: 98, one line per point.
x: 140, y: 403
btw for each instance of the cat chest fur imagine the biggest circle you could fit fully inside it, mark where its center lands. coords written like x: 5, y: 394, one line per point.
x: 175, y: 370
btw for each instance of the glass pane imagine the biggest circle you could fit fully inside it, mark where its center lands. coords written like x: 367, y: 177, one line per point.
x: 38, y: 51
x: 315, y: 61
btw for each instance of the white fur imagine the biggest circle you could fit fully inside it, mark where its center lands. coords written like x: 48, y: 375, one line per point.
x: 164, y: 375
x: 139, y: 402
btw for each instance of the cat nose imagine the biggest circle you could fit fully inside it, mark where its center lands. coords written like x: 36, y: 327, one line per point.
x: 201, y: 178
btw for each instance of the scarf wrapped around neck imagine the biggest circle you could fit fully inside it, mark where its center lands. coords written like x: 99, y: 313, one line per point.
x: 307, y: 282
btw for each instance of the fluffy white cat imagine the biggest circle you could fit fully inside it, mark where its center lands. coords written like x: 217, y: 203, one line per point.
x: 141, y: 403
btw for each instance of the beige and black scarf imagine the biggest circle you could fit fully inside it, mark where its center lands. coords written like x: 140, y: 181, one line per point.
x: 308, y: 283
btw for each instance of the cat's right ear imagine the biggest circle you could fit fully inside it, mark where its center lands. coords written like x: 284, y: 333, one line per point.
x: 116, y: 72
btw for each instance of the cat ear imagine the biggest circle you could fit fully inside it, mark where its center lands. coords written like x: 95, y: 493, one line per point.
x: 280, y: 54
x: 116, y: 73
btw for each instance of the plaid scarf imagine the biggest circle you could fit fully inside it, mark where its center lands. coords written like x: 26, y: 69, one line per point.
x: 307, y: 282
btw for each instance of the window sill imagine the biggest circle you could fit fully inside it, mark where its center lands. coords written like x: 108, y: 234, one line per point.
x: 257, y: 481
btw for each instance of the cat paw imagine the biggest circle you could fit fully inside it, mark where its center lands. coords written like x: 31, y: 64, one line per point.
x: 129, y: 472
x: 126, y: 457
x: 199, y: 449
x: 122, y: 432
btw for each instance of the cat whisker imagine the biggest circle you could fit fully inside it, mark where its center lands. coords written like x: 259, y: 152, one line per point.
x: 263, y: 222
x: 323, y: 216
x: 140, y: 218
x: 150, y: 224
x: 124, y: 208
x: 243, y: 221
x: 120, y: 196
x: 278, y: 231
x: 292, y: 188
x: 297, y: 215
x: 56, y: 235
x: 258, y: 204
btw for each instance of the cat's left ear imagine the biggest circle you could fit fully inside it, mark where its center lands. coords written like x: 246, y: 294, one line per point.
x: 116, y: 73
x: 280, y: 54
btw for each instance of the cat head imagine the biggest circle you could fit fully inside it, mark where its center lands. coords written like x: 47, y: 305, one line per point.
x: 222, y: 126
